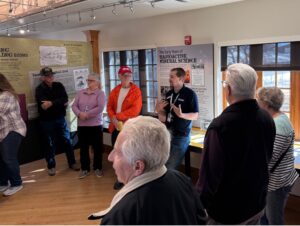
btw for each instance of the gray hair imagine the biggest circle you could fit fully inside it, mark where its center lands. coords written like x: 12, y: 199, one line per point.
x: 272, y: 96
x: 146, y: 139
x: 242, y: 79
x: 94, y: 76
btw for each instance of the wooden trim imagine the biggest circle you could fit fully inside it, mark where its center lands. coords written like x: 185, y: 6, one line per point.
x: 295, y: 103
x: 259, y: 79
x: 94, y: 40
x: 223, y: 92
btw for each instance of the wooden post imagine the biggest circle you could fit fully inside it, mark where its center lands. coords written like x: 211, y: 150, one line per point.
x: 93, y: 38
x: 295, y: 102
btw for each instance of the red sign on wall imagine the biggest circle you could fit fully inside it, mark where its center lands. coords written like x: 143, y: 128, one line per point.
x: 188, y: 40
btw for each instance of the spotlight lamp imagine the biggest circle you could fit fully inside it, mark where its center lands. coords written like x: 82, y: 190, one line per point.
x: 114, y: 10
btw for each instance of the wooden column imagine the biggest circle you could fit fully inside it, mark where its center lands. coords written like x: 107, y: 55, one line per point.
x: 295, y: 102
x: 259, y: 79
x: 93, y: 38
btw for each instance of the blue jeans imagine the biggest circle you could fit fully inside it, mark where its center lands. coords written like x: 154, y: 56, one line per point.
x: 276, y: 201
x: 9, y: 164
x: 56, y: 132
x: 179, y: 145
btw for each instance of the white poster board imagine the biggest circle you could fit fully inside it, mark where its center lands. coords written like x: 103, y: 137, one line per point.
x: 197, y: 61
x: 53, y: 55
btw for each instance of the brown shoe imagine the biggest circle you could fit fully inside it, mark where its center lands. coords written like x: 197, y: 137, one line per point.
x: 75, y: 167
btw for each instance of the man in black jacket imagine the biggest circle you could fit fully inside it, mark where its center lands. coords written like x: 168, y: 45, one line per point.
x: 238, y: 146
x: 52, y: 100
x: 152, y: 194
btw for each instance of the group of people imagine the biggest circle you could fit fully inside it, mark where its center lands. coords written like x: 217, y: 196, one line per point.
x: 247, y: 168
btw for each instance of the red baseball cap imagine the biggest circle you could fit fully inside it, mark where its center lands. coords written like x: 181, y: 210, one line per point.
x: 124, y: 69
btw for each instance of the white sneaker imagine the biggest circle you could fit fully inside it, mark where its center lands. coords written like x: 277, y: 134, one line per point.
x: 4, y: 188
x: 99, y: 173
x: 12, y: 190
x: 83, y: 174
x: 52, y: 172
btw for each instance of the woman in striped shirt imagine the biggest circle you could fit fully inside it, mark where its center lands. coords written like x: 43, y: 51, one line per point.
x: 282, y: 171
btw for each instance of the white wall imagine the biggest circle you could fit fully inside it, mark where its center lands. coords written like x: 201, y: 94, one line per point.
x: 251, y: 21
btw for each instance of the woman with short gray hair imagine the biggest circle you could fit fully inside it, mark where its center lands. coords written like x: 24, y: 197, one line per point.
x: 282, y: 171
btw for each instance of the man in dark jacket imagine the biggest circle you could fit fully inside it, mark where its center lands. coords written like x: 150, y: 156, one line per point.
x: 52, y: 100
x: 152, y: 194
x: 238, y: 146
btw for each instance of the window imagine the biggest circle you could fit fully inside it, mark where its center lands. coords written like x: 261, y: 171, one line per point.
x: 151, y: 79
x: 143, y: 64
x: 113, y: 67
x: 232, y: 54
x: 282, y: 80
x: 238, y: 54
x: 277, y: 53
x: 132, y: 60
x: 277, y: 64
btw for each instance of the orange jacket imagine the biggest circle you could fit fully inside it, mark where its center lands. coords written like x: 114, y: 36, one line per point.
x: 131, y: 106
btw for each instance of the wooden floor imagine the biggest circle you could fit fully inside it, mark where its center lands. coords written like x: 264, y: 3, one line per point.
x: 62, y: 199
x: 65, y: 199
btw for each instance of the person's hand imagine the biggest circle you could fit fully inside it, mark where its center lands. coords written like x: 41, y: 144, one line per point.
x: 83, y: 116
x: 46, y: 104
x: 177, y: 110
x: 115, y: 121
x: 160, y: 105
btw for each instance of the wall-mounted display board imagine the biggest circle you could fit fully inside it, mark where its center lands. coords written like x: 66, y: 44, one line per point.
x: 21, y: 60
x: 197, y: 61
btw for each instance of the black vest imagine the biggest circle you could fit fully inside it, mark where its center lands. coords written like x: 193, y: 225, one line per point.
x: 246, y: 134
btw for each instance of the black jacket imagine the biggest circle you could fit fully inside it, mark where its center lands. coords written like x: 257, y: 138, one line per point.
x: 57, y: 94
x: 170, y: 199
x: 234, y: 173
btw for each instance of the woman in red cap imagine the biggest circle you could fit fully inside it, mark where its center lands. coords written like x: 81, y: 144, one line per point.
x: 125, y: 102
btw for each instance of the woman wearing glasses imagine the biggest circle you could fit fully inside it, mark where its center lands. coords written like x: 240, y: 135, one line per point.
x: 88, y: 107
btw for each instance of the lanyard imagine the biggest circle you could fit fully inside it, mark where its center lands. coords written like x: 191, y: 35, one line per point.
x: 171, y: 101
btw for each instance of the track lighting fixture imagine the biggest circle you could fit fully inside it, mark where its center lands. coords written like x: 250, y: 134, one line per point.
x: 79, y: 17
x: 131, y: 7
x: 22, y: 31
x: 114, y: 11
x: 44, y: 10
x: 10, y: 10
x: 93, y: 17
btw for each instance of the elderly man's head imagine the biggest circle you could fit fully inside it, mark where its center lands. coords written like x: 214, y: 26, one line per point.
x: 143, y: 145
x: 240, y: 83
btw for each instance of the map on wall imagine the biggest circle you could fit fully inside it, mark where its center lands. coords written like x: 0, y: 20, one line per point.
x: 20, y: 62
x: 53, y: 55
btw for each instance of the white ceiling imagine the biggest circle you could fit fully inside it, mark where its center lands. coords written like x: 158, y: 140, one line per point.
x: 80, y: 14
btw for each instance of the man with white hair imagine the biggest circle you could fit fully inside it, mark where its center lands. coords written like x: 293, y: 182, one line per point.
x: 238, y: 146
x: 152, y: 194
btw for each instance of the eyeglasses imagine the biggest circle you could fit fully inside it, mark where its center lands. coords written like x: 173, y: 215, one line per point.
x: 224, y: 83
x: 127, y: 75
x: 90, y: 80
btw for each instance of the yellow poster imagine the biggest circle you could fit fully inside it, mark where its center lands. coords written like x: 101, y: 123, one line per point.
x: 20, y: 58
